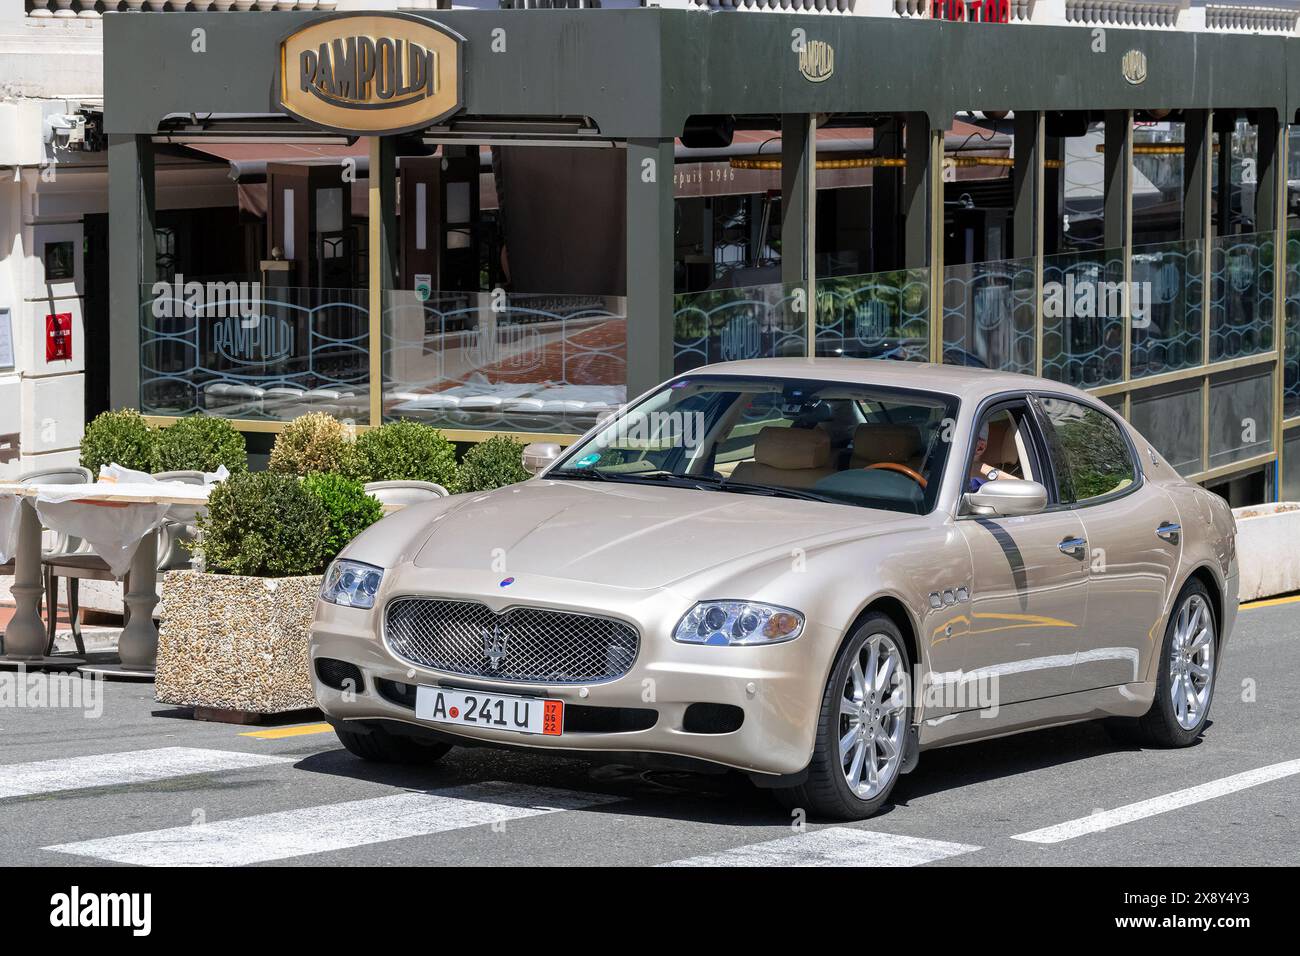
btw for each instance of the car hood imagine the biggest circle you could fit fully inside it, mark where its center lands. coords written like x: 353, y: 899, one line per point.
x: 630, y: 535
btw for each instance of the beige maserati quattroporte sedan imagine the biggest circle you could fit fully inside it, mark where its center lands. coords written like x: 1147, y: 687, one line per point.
x: 806, y: 570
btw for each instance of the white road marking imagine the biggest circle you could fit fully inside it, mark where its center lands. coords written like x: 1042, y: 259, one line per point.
x: 1170, y: 801
x: 108, y: 770
x: 834, y: 846
x: 336, y: 826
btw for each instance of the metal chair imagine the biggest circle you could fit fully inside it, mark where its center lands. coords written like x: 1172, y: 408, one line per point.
x: 178, y: 529
x: 405, y: 492
x: 86, y: 566
x: 68, y: 475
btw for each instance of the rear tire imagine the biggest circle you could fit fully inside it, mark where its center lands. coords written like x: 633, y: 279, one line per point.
x: 383, y: 747
x: 861, y: 728
x: 1185, y: 677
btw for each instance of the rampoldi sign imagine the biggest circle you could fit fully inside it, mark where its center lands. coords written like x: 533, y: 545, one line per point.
x: 370, y: 74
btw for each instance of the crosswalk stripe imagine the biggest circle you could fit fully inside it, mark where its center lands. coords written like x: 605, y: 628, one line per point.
x: 1097, y: 822
x: 336, y: 826
x: 834, y: 846
x: 107, y: 770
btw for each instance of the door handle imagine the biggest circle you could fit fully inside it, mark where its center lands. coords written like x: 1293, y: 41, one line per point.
x: 1074, y: 547
x: 1169, y: 531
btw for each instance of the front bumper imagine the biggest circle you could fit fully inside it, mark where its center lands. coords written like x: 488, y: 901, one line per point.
x: 778, y: 688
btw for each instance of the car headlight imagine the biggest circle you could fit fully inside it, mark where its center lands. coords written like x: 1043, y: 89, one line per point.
x: 738, y: 622
x: 351, y: 584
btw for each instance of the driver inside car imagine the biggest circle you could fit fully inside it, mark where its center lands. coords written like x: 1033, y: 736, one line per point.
x: 980, y: 471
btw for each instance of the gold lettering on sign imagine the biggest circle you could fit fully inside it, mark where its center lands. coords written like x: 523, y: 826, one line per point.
x: 817, y: 60
x: 370, y: 73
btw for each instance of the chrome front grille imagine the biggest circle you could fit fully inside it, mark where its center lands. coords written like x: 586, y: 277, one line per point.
x: 536, y: 645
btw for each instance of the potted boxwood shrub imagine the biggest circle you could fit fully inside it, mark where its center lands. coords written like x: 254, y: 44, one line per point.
x: 315, y: 443
x: 233, y: 641
x: 200, y: 443
x: 407, y: 451
x: 491, y: 464
x: 348, y: 508
x: 121, y: 436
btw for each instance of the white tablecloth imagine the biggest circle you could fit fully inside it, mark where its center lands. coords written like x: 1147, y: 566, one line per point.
x: 111, y: 515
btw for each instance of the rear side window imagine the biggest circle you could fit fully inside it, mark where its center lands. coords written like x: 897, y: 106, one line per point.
x: 1090, y: 455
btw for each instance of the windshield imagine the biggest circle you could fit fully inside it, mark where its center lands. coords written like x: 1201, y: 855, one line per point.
x: 824, y: 441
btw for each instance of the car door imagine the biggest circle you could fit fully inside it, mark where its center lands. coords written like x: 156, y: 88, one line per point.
x: 1133, y: 541
x: 1029, y: 586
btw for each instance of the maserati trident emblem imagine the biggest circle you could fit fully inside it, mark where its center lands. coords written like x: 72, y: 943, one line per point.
x: 1134, y: 66
x: 494, y: 645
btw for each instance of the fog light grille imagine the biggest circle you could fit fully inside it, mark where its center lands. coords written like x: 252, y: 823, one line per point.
x: 396, y: 693
x: 340, y: 675
x: 712, y: 719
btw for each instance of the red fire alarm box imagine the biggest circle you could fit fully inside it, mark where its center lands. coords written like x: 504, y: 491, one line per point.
x: 58, y: 337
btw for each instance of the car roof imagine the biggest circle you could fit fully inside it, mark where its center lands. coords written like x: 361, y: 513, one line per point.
x: 963, y: 381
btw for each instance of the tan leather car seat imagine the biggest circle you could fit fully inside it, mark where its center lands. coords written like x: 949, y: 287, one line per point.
x: 874, y: 443
x: 1002, y: 451
x: 788, y: 458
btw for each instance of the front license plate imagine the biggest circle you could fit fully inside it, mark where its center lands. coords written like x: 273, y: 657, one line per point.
x: 467, y: 708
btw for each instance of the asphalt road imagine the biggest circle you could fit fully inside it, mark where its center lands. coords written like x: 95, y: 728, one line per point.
x: 141, y: 783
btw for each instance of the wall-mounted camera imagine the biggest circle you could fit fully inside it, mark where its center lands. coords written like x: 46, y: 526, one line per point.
x: 65, y: 130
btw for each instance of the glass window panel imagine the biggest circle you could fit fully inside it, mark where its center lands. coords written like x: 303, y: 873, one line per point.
x: 1157, y: 182
x: 329, y: 210
x: 458, y: 202
x: 236, y: 349
x: 1241, y: 295
x: 1083, y: 318
x: 724, y: 325
x: 533, y: 362
x: 1291, y: 349
x: 881, y: 315
x: 988, y: 315
x: 1090, y: 455
x: 1166, y: 298
x: 1082, y: 190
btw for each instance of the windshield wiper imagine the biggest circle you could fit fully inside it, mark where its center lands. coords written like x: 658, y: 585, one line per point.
x: 581, y: 474
x: 698, y: 482
x: 748, y: 488
x: 741, y: 487
x: 597, y: 474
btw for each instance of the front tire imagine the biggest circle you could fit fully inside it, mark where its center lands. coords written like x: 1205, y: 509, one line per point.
x: 1185, y: 681
x: 380, y: 746
x: 861, y: 728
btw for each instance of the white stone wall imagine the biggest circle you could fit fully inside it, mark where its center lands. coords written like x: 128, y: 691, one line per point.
x: 43, y: 401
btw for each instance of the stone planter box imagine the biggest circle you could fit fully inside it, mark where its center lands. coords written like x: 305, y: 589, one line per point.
x: 230, y: 643
x: 1267, y: 551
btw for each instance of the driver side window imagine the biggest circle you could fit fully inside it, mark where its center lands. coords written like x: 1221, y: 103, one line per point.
x: 1002, y: 447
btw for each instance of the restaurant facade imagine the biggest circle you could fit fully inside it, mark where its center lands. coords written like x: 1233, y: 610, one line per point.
x: 513, y: 221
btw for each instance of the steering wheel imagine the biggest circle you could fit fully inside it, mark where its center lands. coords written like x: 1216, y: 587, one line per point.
x: 901, y: 469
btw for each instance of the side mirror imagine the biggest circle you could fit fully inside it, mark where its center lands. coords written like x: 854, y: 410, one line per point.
x: 539, y: 455
x: 1006, y: 498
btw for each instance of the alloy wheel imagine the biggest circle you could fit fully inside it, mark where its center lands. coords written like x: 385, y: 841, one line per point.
x: 873, y: 717
x: 1191, y: 662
